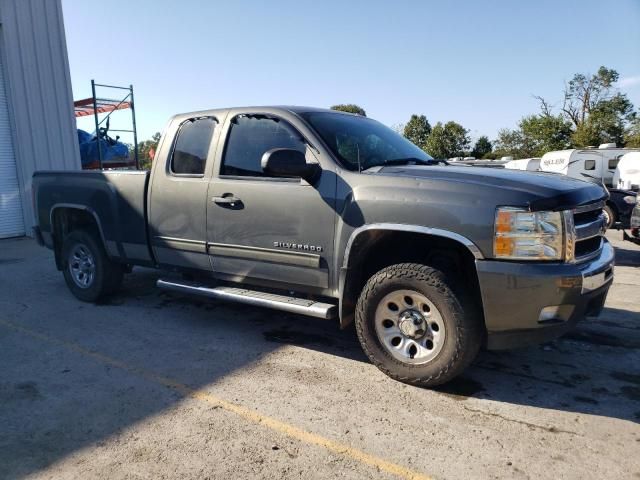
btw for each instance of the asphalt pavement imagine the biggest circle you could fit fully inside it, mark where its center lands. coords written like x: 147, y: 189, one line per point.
x: 153, y: 384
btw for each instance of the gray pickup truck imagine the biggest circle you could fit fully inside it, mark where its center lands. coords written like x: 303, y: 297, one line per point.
x: 334, y: 215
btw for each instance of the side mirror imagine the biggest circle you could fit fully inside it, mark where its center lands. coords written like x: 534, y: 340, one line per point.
x: 286, y: 162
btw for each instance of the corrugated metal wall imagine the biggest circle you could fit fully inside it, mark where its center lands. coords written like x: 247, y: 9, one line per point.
x: 11, y: 222
x: 38, y: 87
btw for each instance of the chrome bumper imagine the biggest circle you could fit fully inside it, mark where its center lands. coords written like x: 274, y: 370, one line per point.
x: 599, y: 272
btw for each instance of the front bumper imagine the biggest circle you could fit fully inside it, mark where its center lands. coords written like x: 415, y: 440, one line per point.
x: 527, y: 303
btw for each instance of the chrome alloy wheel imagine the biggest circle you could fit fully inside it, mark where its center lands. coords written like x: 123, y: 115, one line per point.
x: 82, y: 266
x: 410, y: 327
x: 607, y: 218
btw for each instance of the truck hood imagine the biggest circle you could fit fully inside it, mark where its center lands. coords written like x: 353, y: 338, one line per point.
x: 544, y: 191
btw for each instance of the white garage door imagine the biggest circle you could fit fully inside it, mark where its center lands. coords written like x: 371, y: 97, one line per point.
x: 11, y: 223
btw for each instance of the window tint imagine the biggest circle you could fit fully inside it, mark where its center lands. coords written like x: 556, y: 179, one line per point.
x: 589, y: 164
x: 613, y: 163
x: 250, y: 137
x: 192, y: 145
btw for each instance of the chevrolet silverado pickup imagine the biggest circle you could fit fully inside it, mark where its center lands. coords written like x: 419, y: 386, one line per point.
x: 334, y: 215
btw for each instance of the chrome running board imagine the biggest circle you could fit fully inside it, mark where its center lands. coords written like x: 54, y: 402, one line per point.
x: 302, y: 306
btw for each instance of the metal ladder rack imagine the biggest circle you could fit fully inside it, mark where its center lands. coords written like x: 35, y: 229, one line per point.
x: 95, y: 105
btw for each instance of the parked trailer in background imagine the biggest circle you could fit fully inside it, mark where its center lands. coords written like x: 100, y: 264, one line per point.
x: 530, y: 164
x: 596, y: 165
x: 593, y: 164
x: 627, y: 174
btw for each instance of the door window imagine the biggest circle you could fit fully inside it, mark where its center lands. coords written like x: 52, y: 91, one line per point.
x: 191, y: 146
x: 250, y: 137
x: 589, y: 164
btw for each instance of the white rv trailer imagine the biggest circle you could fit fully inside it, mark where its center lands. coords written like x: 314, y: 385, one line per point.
x: 627, y: 174
x: 531, y: 164
x: 593, y: 164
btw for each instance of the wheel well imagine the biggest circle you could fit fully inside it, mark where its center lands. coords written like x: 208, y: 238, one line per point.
x: 376, y: 249
x: 65, y: 220
x: 613, y: 207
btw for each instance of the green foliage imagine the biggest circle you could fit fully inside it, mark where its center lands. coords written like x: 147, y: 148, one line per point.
x: 482, y: 147
x: 511, y: 143
x: 536, y: 135
x: 146, y: 151
x: 417, y: 130
x: 350, y: 108
x: 544, y: 133
x: 607, y: 122
x: 599, y: 113
x: 593, y: 112
x: 448, y: 140
x: 632, y: 135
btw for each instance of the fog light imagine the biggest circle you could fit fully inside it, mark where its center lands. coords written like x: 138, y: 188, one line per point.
x: 555, y: 313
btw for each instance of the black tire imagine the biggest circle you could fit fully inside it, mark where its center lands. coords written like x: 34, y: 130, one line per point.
x: 610, y: 215
x: 107, y: 275
x: 464, y: 332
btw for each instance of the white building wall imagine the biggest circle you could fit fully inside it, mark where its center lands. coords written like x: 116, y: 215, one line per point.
x: 38, y: 87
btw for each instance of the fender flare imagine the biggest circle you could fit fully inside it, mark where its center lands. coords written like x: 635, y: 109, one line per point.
x: 84, y: 208
x: 398, y: 227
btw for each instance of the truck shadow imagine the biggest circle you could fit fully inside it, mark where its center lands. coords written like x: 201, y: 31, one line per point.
x: 627, y: 258
x: 56, y: 401
x: 591, y: 370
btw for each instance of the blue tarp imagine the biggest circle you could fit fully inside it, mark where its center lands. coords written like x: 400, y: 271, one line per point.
x: 116, y: 153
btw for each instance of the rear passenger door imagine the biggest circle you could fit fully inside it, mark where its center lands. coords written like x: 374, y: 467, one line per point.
x: 178, y: 197
x: 278, y: 229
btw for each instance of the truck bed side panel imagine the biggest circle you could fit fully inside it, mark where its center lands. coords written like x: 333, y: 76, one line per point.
x: 116, y: 199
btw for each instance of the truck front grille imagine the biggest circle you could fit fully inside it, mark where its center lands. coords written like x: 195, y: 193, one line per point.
x: 589, y: 223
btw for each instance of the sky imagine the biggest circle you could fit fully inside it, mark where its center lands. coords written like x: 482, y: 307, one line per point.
x: 475, y: 62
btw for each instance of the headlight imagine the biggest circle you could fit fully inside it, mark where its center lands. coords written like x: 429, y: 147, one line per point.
x: 524, y: 235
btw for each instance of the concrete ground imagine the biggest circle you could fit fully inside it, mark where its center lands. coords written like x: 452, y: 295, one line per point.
x: 156, y: 385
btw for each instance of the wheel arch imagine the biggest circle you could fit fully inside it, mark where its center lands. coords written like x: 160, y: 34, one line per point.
x: 366, y: 242
x: 66, y: 217
x: 614, y: 207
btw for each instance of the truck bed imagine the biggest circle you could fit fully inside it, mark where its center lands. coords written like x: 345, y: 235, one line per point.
x: 116, y: 199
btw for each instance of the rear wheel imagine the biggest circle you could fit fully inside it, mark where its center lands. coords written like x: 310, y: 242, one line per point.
x: 413, y: 326
x: 89, y: 273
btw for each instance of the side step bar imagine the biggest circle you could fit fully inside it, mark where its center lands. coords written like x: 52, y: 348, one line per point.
x: 255, y: 298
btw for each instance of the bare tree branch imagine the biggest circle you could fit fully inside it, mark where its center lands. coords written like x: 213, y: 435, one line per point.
x: 545, y: 107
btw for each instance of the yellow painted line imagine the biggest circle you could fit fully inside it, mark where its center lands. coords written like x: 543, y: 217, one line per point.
x: 246, y: 413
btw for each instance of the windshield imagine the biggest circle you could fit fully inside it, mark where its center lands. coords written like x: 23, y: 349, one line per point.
x: 361, y: 143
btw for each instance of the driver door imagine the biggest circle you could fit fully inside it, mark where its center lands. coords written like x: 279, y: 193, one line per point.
x: 274, y: 229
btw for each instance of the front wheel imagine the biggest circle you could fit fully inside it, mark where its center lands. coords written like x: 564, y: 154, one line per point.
x: 413, y: 326
x: 609, y: 216
x: 89, y: 273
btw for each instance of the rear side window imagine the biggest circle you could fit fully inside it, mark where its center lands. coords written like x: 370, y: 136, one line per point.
x: 589, y: 164
x: 250, y: 137
x: 191, y: 146
x: 613, y: 163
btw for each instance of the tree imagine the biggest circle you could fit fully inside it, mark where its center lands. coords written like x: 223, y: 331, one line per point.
x: 596, y: 111
x: 511, y: 143
x: 350, y: 108
x: 544, y: 133
x: 482, y: 147
x: 448, y: 140
x: 417, y: 130
x: 147, y: 150
x: 632, y: 135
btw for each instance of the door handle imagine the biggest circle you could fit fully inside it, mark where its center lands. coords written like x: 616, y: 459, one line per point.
x: 226, y: 199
